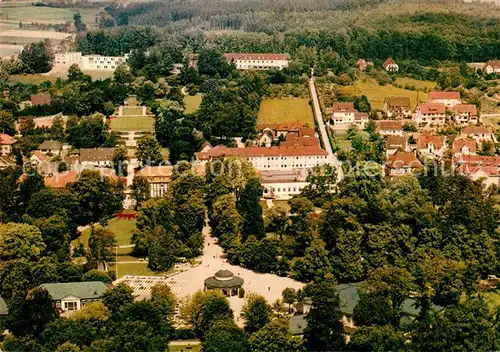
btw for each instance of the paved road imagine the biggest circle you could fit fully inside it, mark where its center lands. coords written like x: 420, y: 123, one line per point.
x: 322, y: 128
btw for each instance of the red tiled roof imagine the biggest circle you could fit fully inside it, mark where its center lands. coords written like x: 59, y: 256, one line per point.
x: 458, y: 144
x: 425, y: 139
x: 5, y: 139
x: 493, y: 63
x: 292, y: 140
x: 39, y: 155
x: 41, y: 99
x: 475, y: 130
x: 395, y: 142
x: 307, y: 131
x: 343, y: 107
x: 287, y: 126
x: 385, y: 125
x: 152, y: 171
x: 432, y: 108
x: 465, y: 108
x: 62, y: 179
x: 388, y: 62
x: 469, y: 170
x: 403, y: 159
x: 221, y: 151
x: 397, y: 102
x: 478, y: 160
x: 256, y: 56
x: 361, y: 116
x: 443, y: 95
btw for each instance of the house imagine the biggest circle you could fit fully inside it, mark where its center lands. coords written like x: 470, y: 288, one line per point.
x: 282, y: 184
x: 97, y: 157
x: 362, y: 65
x: 62, y: 179
x: 490, y: 175
x: 41, y: 99
x: 252, y: 61
x: 431, y: 146
x: 465, y: 114
x: 73, y: 296
x: 305, y: 137
x: 402, y: 163
x: 51, y: 147
x: 6, y: 143
x: 397, y: 107
x: 395, y: 143
x: 272, y: 158
x: 492, y: 66
x: 131, y: 122
x: 390, y: 127
x: 449, y: 99
x: 158, y: 177
x: 266, y: 139
x: 479, y: 133
x: 390, y: 65
x: 464, y: 146
x: 89, y: 62
x: 430, y: 114
x: 344, y: 115
x: 204, y: 147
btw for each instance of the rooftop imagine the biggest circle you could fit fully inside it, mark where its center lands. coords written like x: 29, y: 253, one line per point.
x: 82, y: 290
x: 460, y: 143
x: 471, y: 129
x: 221, y: 151
x: 398, y: 102
x: 256, y: 56
x: 432, y: 108
x: 50, y: 145
x: 403, y: 159
x: 425, y: 140
x: 385, y: 125
x: 5, y: 139
x: 443, y: 96
x: 96, y: 154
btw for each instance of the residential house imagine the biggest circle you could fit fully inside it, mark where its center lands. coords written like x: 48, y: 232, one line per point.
x: 397, y: 107
x: 251, y: 61
x: 479, y: 167
x: 344, y: 115
x: 282, y: 184
x: 390, y: 65
x: 51, y: 147
x: 362, y: 65
x: 492, y: 66
x: 266, y: 139
x: 449, y: 99
x: 158, y: 177
x: 6, y: 143
x: 62, y: 179
x: 41, y: 99
x: 402, y: 163
x: 465, y: 114
x: 97, y: 157
x: 479, y: 133
x: 272, y: 158
x: 280, y: 130
x: 204, y: 147
x: 390, y: 127
x: 430, y: 114
x: 431, y: 146
x: 393, y: 143
x: 306, y: 137
x: 73, y: 296
x: 464, y: 146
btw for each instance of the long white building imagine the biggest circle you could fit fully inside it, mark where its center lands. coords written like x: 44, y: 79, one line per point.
x: 250, y: 61
x: 89, y: 62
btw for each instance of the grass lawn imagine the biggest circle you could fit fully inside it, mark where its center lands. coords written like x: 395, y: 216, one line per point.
x: 493, y: 122
x: 416, y: 83
x: 192, y: 103
x: 31, y: 79
x: 122, y: 229
x: 98, y: 74
x: 377, y: 93
x: 285, y: 110
x: 341, y: 139
x: 28, y: 13
x: 489, y: 106
x: 132, y: 123
x: 137, y: 269
x: 185, y: 348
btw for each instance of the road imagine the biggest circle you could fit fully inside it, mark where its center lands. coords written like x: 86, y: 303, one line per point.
x: 322, y: 129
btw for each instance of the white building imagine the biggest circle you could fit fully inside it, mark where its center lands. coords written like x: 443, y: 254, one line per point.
x: 97, y: 157
x: 283, y: 184
x: 492, y: 66
x: 390, y: 65
x: 251, y: 61
x: 431, y: 146
x: 430, y: 114
x: 272, y: 158
x: 345, y: 115
x: 158, y: 177
x: 89, y: 62
x: 449, y: 99
x: 73, y: 296
x: 6, y: 143
x: 465, y: 114
x: 390, y: 127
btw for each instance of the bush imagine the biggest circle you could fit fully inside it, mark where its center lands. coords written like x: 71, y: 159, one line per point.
x: 241, y: 292
x: 183, y: 334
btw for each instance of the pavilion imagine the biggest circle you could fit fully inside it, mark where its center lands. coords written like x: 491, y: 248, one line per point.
x: 224, y: 281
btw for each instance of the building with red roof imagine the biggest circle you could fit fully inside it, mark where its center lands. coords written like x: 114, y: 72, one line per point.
x: 449, y: 99
x: 479, y: 133
x: 432, y: 114
x: 465, y: 114
x: 344, y: 115
x: 390, y: 127
x: 431, y: 146
x: 390, y: 65
x: 464, y: 146
x: 6, y: 143
x: 402, y: 163
x: 41, y: 99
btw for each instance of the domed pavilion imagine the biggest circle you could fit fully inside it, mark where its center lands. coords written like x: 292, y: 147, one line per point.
x: 224, y: 281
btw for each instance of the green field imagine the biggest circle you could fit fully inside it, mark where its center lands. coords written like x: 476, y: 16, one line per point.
x: 421, y: 85
x: 285, y: 110
x: 31, y: 79
x: 132, y: 123
x: 28, y: 13
x: 376, y: 93
x: 185, y: 348
x: 136, y: 269
x: 341, y: 139
x: 122, y: 229
x: 192, y: 103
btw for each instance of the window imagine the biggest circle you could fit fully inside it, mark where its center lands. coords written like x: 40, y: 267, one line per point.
x: 70, y: 305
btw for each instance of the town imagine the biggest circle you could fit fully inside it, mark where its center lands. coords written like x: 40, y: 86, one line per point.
x: 171, y: 188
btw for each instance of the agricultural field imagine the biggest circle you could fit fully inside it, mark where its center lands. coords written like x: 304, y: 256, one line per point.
x: 377, y: 93
x: 20, y: 36
x: 27, y: 13
x: 285, y: 110
x: 192, y: 102
x: 420, y: 85
x: 31, y: 79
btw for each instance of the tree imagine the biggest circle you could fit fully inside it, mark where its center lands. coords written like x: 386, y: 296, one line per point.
x: 377, y: 338
x: 163, y: 297
x: 211, y: 62
x: 162, y: 250
x: 120, y: 161
x: 374, y: 309
x: 256, y: 312
x: 20, y: 241
x: 92, y: 311
x: 250, y: 209
x: 37, y: 57
x: 140, y: 189
x: 321, y: 182
x: 225, y: 336
x: 314, y: 265
x: 276, y: 336
x: 324, y: 329
x: 392, y: 283
x: 88, y: 131
x: 277, y: 220
x: 79, y: 25
x: 225, y: 219
x: 56, y: 234
x: 289, y: 296
x: 117, y: 297
x: 149, y: 151
x: 97, y: 275
x: 7, y: 122
x: 101, y: 245
x: 68, y: 347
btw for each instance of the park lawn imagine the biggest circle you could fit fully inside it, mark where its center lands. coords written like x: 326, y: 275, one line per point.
x: 192, y: 102
x: 185, y: 348
x: 137, y: 269
x: 132, y: 123
x: 121, y: 228
x: 418, y: 84
x: 376, y: 93
x: 31, y: 79
x: 285, y: 110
